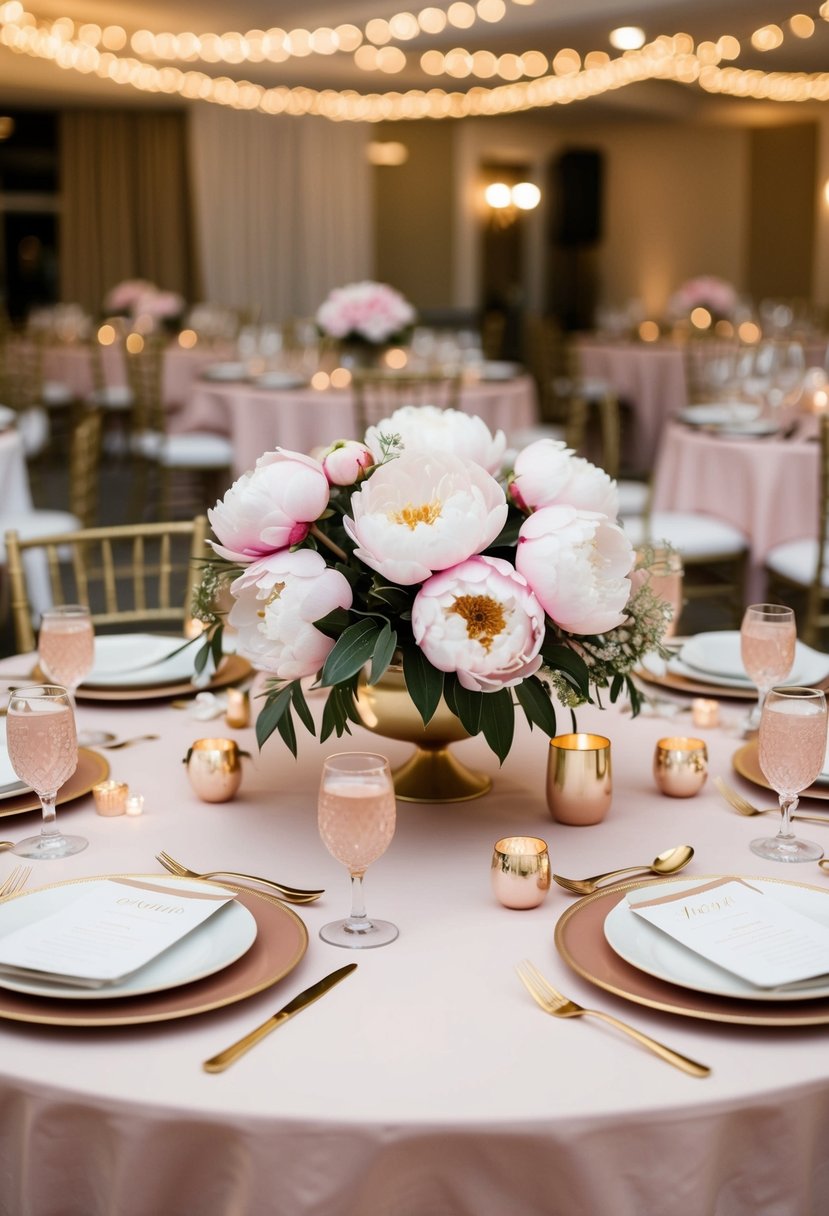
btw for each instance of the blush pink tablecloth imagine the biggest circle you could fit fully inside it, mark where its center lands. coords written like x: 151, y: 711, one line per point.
x: 257, y: 419
x: 768, y: 488
x: 428, y: 1082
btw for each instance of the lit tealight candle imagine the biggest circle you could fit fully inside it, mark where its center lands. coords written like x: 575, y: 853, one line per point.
x: 135, y: 805
x: 110, y: 797
x: 238, y: 708
x: 705, y: 712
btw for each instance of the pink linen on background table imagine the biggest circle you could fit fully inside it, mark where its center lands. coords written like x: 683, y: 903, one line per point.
x: 429, y: 1081
x: 258, y: 419
x: 649, y: 378
x: 766, y: 487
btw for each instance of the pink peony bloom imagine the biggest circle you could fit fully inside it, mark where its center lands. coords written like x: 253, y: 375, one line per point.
x: 424, y: 512
x: 276, y: 602
x: 547, y: 473
x: 346, y: 461
x: 577, y: 563
x: 372, y: 311
x: 271, y: 507
x: 429, y: 428
x: 481, y: 620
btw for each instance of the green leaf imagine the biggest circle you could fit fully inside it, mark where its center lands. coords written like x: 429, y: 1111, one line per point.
x: 498, y: 721
x: 469, y: 707
x: 351, y: 652
x: 536, y: 704
x: 423, y: 681
x: 333, y: 623
x: 384, y: 649
x: 562, y: 658
x: 616, y: 687
x: 216, y: 645
x: 301, y: 707
x: 285, y: 726
x: 277, y: 704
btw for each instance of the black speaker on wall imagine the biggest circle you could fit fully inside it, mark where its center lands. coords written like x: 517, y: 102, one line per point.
x: 576, y: 188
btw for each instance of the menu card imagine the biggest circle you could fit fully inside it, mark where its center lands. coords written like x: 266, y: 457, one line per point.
x: 109, y: 931
x: 744, y: 930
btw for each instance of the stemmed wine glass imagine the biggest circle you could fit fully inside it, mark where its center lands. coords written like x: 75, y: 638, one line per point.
x: 357, y: 813
x: 66, y: 652
x: 768, y: 635
x: 793, y: 730
x: 43, y: 750
x: 664, y: 573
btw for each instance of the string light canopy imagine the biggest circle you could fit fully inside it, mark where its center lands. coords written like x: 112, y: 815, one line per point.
x: 528, y: 81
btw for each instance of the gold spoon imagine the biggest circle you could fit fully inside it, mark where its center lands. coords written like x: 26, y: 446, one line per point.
x: 668, y: 862
x: 6, y: 844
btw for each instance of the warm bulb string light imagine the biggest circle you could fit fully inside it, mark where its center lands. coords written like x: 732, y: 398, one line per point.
x: 675, y: 58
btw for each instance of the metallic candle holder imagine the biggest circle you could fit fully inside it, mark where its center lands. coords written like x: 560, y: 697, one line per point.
x: 680, y: 766
x: 214, y: 767
x: 110, y: 797
x: 520, y: 871
x: 579, y: 779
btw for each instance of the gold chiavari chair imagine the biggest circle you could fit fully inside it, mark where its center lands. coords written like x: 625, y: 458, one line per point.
x: 84, y: 466
x: 378, y: 393
x: 129, y: 575
x: 800, y: 568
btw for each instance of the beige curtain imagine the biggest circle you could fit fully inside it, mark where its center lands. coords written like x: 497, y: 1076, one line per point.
x: 125, y: 204
x: 283, y: 209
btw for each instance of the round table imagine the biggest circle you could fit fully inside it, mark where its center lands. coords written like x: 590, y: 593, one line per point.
x: 428, y: 1081
x: 259, y: 419
x: 768, y: 488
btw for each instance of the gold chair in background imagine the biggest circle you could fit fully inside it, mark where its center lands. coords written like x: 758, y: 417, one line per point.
x: 378, y: 393
x: 128, y: 575
x: 802, y: 566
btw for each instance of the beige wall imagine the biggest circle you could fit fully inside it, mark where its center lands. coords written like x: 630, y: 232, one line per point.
x: 781, y: 225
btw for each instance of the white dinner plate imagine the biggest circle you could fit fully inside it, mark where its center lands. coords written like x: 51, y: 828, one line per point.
x: 222, y: 939
x: 749, y: 430
x: 225, y: 371
x: 136, y: 660
x: 495, y: 370
x: 656, y: 953
x: 716, y: 657
x: 10, y: 783
x: 280, y: 380
x: 719, y: 414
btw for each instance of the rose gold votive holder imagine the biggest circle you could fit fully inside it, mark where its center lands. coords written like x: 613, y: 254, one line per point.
x: 110, y: 797
x: 680, y: 766
x: 520, y: 871
x: 579, y: 781
x: 214, y: 767
x: 705, y: 712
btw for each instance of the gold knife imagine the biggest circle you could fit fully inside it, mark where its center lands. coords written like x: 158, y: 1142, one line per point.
x: 221, y: 1061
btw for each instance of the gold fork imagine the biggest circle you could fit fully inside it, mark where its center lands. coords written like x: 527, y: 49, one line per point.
x: 553, y: 1002
x: 291, y: 895
x: 15, y: 881
x: 744, y: 807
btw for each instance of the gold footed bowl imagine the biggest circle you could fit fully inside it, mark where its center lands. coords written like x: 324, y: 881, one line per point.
x: 432, y: 774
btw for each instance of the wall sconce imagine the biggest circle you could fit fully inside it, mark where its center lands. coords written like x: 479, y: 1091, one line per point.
x: 506, y: 202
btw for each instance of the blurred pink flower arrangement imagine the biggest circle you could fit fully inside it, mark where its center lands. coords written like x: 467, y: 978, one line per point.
x: 492, y: 587
x: 140, y: 298
x: 707, y: 291
x: 365, y: 312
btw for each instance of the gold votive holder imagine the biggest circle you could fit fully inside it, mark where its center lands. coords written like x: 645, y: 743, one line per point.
x: 237, y: 713
x: 214, y: 768
x: 579, y: 779
x: 705, y: 712
x: 110, y: 797
x: 680, y: 766
x: 520, y: 871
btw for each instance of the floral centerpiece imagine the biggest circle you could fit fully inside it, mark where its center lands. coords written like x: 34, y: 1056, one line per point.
x: 368, y: 313
x: 139, y: 298
x: 706, y: 291
x: 493, y: 589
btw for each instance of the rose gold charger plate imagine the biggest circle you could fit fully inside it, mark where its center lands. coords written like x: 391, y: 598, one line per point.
x: 232, y: 670
x: 92, y: 768
x: 281, y: 941
x: 697, y: 688
x: 746, y: 761
x: 580, y: 940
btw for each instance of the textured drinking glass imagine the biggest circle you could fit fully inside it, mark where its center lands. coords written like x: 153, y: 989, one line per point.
x: 43, y: 750
x: 792, y: 750
x: 357, y: 815
x: 520, y: 871
x: 768, y: 636
x: 66, y: 653
x: 664, y: 574
x: 579, y: 782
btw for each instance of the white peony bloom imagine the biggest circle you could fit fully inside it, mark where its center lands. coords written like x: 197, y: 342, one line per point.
x: 481, y: 620
x: 547, y: 474
x: 423, y: 512
x: 577, y: 563
x: 277, y: 600
x: 427, y: 428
